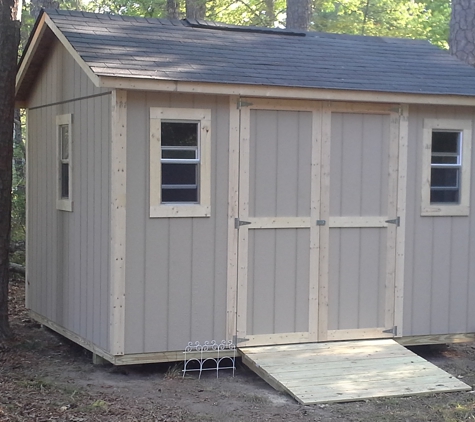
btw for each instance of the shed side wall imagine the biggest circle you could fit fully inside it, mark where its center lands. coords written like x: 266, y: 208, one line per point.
x: 175, y: 267
x: 439, y: 289
x: 68, y: 252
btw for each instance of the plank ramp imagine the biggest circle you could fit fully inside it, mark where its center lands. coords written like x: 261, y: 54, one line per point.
x: 347, y: 371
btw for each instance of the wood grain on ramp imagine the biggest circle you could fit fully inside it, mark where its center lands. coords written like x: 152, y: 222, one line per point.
x: 347, y: 371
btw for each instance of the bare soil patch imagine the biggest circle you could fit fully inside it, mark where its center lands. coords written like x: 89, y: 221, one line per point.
x: 44, y: 377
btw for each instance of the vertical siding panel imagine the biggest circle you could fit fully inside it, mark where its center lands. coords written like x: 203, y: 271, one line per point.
x: 84, y: 207
x: 137, y: 153
x: 285, y: 270
x: 41, y: 277
x: 440, y: 275
x: 157, y: 288
x: 350, y: 277
x: 372, y: 201
x: 97, y: 120
x: 352, y: 142
x: 91, y: 183
x: 302, y: 277
x: 371, y: 293
x: 263, y: 281
x: 32, y: 210
x: 263, y: 192
x: 287, y: 153
x: 105, y: 220
x: 180, y: 282
x: 156, y: 234
x: 458, y: 289
x: 202, y: 280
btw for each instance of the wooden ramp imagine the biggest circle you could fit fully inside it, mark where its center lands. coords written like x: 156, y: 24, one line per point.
x: 347, y: 371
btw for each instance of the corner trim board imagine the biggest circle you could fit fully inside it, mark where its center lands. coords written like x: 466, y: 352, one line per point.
x: 233, y: 207
x: 118, y: 181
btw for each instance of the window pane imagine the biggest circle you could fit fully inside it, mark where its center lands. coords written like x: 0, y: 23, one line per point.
x: 445, y: 141
x: 64, y: 136
x: 179, y: 154
x: 445, y: 159
x: 444, y: 177
x: 179, y: 174
x: 65, y: 180
x: 179, y: 134
x: 444, y: 196
x: 179, y: 195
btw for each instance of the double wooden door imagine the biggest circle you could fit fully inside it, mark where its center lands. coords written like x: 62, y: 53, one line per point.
x: 316, y: 253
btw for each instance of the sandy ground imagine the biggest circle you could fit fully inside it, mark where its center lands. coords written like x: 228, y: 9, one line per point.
x: 44, y: 377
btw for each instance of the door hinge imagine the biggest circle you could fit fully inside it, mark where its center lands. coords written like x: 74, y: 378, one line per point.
x: 321, y: 222
x: 396, y: 221
x: 242, y: 103
x: 238, y: 223
x: 237, y: 340
x: 391, y: 331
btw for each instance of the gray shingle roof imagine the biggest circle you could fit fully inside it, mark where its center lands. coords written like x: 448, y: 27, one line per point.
x: 200, y: 51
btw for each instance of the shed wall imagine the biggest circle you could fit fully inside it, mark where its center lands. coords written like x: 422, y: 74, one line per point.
x: 439, y: 289
x: 68, y: 252
x: 175, y: 267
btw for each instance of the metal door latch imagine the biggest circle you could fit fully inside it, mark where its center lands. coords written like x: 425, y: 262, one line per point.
x: 321, y: 222
x: 238, y: 223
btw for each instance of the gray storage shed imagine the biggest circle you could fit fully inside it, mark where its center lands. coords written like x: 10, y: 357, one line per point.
x: 190, y: 181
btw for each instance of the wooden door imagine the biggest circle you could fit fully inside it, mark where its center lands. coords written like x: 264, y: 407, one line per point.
x: 278, y: 202
x: 362, y: 211
x: 321, y: 193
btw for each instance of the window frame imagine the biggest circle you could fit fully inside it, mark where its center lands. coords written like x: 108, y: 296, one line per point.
x: 464, y: 127
x: 186, y: 209
x: 64, y: 204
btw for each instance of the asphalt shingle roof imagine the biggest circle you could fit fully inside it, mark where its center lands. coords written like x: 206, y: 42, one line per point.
x: 200, y: 51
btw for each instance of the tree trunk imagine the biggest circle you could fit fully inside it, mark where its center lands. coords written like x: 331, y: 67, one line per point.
x: 270, y: 13
x: 462, y: 30
x: 37, y: 5
x: 9, y: 39
x: 298, y: 14
x: 172, y: 9
x: 195, y: 9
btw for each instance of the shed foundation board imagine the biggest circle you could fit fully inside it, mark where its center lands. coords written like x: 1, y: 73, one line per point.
x: 347, y: 371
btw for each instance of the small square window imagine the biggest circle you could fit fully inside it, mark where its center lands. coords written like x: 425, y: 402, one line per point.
x: 179, y: 162
x: 64, y: 155
x: 446, y: 167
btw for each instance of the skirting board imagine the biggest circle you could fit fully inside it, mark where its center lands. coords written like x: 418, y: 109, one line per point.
x: 175, y: 356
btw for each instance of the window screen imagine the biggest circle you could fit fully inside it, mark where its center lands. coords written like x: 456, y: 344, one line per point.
x: 180, y: 162
x: 63, y: 137
x: 446, y: 166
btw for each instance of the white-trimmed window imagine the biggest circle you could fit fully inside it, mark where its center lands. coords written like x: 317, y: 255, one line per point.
x: 180, y: 158
x: 64, y: 162
x: 446, y: 167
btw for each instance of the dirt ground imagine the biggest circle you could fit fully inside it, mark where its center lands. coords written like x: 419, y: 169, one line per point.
x: 44, y: 377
